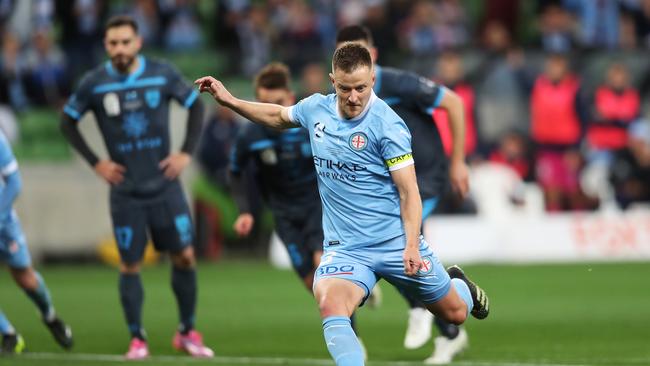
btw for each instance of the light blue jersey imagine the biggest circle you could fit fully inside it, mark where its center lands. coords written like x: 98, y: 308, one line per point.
x: 13, y: 248
x: 8, y: 163
x: 353, y: 159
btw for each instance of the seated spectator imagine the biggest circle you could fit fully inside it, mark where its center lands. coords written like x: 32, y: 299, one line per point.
x: 183, y: 31
x: 598, y: 22
x: 255, y: 35
x: 641, y: 16
x: 630, y: 171
x: 12, y: 90
x: 501, y: 97
x: 299, y: 36
x: 46, y: 77
x: 417, y: 34
x: 313, y: 79
x: 514, y: 153
x: 556, y: 29
x: 146, y: 15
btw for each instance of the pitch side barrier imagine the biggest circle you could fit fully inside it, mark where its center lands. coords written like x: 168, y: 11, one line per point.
x: 549, y: 238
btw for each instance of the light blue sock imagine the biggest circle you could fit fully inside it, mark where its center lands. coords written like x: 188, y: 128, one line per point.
x: 341, y: 341
x: 41, y: 297
x: 463, y: 291
x: 5, y: 325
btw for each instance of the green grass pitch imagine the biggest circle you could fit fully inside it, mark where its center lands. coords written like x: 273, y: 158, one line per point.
x: 252, y: 314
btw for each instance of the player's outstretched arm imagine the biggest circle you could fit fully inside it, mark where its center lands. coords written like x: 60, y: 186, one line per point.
x: 458, y: 174
x: 270, y: 115
x: 411, y: 211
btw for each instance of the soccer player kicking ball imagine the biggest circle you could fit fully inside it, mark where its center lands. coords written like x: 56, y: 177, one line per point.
x: 285, y: 175
x: 13, y: 251
x: 371, y: 204
x: 414, y: 98
x: 130, y: 97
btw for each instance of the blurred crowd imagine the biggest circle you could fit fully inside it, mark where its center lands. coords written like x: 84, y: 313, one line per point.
x: 556, y: 90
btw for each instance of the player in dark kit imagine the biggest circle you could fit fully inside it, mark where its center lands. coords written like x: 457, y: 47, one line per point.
x: 285, y: 174
x: 129, y: 96
x: 414, y: 98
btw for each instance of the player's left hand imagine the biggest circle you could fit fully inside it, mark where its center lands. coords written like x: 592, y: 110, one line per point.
x: 174, y: 164
x: 459, y: 177
x: 412, y: 260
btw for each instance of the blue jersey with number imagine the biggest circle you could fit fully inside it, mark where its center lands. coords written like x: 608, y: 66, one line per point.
x: 353, y: 160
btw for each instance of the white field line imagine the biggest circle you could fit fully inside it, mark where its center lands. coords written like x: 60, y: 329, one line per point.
x: 88, y: 357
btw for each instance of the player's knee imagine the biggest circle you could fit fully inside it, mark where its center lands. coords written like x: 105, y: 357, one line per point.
x: 184, y: 259
x: 308, y: 280
x: 456, y: 316
x: 25, y: 277
x: 330, y: 306
x: 130, y: 268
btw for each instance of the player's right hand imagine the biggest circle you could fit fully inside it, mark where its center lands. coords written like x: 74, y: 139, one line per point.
x: 244, y: 224
x: 412, y: 260
x: 112, y: 172
x: 209, y: 84
x: 459, y: 178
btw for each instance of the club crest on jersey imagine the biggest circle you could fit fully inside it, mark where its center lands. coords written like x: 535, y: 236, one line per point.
x: 135, y: 125
x: 111, y: 104
x: 13, y: 247
x: 427, y: 266
x: 358, y: 141
x: 152, y: 97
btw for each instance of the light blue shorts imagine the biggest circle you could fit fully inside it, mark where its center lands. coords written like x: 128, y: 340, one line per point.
x: 13, y: 246
x: 365, y: 266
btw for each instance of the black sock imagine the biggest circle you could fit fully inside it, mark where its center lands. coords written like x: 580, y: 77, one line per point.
x: 132, y: 297
x: 184, y: 285
x: 447, y: 330
x: 413, y: 303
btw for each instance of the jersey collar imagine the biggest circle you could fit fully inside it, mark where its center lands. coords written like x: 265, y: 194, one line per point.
x: 142, y: 64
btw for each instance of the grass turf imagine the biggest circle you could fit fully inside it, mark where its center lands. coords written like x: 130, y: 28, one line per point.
x: 577, y: 314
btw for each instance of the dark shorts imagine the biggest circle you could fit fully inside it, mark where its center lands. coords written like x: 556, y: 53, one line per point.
x: 302, y: 236
x: 165, y: 217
